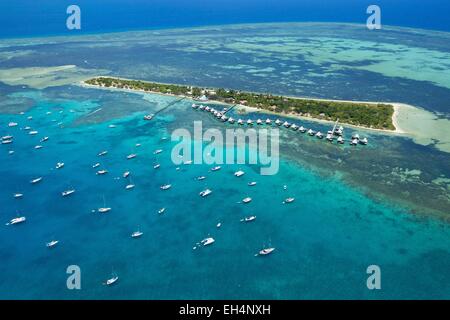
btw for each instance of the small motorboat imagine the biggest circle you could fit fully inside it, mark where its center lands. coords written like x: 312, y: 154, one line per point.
x: 96, y: 165
x: 59, y: 165
x: 201, y: 178
x: 294, y: 127
x: 268, y: 121
x: 137, y: 234
x: 148, y: 117
x: 247, y: 200
x: 278, y: 122
x: 231, y: 120
x: 355, y: 136
x: 205, y: 193
x: 102, y: 172
x: 286, y: 124
x: 7, y: 141
x: 165, y: 186
x: 289, y: 200
x: 240, y: 121
x: 239, y: 173
x: 111, y: 281
x: 340, y: 140
x: 162, y: 210
x: 259, y: 122
x: 319, y: 135
x: 131, y: 156
x: 218, y: 225
x: 311, y: 132
x: 52, y: 243
x: 157, y: 151
x: 329, y: 137
x: 112, y: 126
x: 207, y: 241
x: 302, y: 129
x: 7, y: 138
x: 37, y: 180
x: 68, y: 192
x: 44, y: 139
x: 102, y: 153
x: 251, y: 184
x: 363, y: 141
x: 249, y: 219
x: 195, y: 106
x: 216, y: 168
x: 266, y: 251
x: 38, y: 147
x: 156, y: 166
x: 126, y: 174
x: 12, y: 124
x: 18, y: 195
x: 249, y: 122
x: 187, y: 162
x: 354, y: 142
x: 33, y: 133
x: 16, y: 221
x: 129, y: 186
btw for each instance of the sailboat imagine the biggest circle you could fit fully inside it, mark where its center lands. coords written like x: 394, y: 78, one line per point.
x: 104, y: 209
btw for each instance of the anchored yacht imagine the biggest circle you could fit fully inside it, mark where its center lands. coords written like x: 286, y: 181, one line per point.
x: 239, y: 173
x: 16, y: 221
x: 247, y: 200
x: 205, y: 193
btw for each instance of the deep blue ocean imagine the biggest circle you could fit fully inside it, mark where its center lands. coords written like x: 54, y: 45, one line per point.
x: 47, y: 17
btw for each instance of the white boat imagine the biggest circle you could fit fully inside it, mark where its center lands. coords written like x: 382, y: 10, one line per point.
x: 286, y: 124
x: 44, y: 139
x: 302, y: 129
x: 16, y: 221
x: 18, y: 195
x: 259, y: 121
x: 29, y: 118
x: 11, y: 152
x: 36, y: 180
x: 129, y: 186
x: 165, y: 186
x: 96, y: 165
x: 131, y: 156
x: 148, y: 117
x: 32, y: 133
x: 319, y: 135
x: 240, y: 121
x: 249, y: 122
x: 205, y: 193
x: 38, y: 147
x: 311, y: 132
x: 102, y: 172
x: 201, y: 108
x: 7, y: 137
x: 340, y: 140
x: 102, y: 153
x: 268, y: 121
x: 201, y: 178
x: 157, y: 151
x: 161, y: 211
x: 112, y: 126
x: 251, y: 184
x: 247, y: 200
x: 294, y: 127
x: 278, y: 122
x: 59, y: 165
x: 12, y: 124
x: 137, y: 234
x: 231, y: 120
x: 104, y: 209
x: 363, y: 141
x: 7, y: 141
x: 249, y: 219
x: 354, y: 142
x: 224, y: 118
x: 68, y: 192
x: 216, y: 168
x: 52, y: 243
x: 195, y: 106
x: 126, y: 174
x: 187, y: 162
x: 207, y: 108
x: 266, y: 251
x: 355, y: 136
x: 289, y: 200
x: 239, y: 173
x: 156, y: 166
x: 111, y: 281
x: 27, y: 128
x: 207, y: 241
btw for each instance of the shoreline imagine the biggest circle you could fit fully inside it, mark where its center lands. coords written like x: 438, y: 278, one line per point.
x: 396, y: 105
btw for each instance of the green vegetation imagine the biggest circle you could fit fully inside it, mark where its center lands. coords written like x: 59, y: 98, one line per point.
x: 376, y: 116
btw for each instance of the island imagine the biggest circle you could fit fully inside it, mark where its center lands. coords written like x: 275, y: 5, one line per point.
x: 371, y: 115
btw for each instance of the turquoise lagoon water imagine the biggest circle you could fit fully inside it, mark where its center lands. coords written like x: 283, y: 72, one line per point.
x: 324, y: 241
